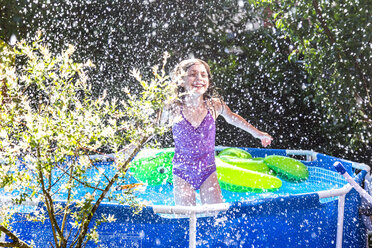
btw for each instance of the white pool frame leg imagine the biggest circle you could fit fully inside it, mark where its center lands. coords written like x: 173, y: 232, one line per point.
x: 192, y: 230
x: 192, y: 212
x: 340, y: 220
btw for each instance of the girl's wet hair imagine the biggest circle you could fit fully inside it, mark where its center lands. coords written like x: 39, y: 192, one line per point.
x: 181, y: 70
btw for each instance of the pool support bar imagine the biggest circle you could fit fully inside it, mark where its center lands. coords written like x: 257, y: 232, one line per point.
x: 341, y: 169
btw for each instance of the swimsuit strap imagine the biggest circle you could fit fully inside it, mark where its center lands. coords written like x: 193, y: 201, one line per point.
x: 182, y: 112
x: 211, y: 110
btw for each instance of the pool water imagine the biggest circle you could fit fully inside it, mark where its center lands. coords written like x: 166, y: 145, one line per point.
x: 319, y: 179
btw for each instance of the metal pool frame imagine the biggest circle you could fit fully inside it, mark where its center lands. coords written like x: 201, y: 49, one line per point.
x: 193, y: 212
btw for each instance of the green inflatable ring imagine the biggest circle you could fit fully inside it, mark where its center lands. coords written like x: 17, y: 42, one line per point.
x: 235, y: 152
x: 153, y: 166
x: 248, y: 164
x: 287, y: 168
x: 237, y: 179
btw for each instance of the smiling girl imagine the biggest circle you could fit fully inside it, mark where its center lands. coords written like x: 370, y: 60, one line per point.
x: 194, y: 132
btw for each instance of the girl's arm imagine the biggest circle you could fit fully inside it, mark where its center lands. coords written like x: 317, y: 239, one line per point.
x: 240, y: 122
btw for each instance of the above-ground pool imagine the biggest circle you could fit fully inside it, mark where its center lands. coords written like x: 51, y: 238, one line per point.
x: 319, y: 212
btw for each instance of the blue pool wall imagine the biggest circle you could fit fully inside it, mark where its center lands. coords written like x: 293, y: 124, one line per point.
x: 293, y: 221
x: 280, y: 222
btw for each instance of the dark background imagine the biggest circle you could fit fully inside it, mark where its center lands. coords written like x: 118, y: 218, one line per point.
x: 249, y: 61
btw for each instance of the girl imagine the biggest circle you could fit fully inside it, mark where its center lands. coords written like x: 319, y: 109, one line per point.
x: 194, y: 130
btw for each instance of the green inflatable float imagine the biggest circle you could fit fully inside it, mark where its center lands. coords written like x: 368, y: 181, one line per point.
x: 287, y: 168
x: 238, y: 179
x: 240, y: 158
x: 238, y: 174
x: 235, y: 152
x: 153, y: 166
x: 248, y: 164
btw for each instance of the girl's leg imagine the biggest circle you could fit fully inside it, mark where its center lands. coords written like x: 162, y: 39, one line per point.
x: 210, y: 191
x: 184, y: 193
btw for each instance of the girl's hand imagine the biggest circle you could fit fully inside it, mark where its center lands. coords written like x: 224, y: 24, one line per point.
x: 266, y: 139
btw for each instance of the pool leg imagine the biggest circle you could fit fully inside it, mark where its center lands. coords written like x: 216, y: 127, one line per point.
x: 192, y: 230
x: 340, y: 220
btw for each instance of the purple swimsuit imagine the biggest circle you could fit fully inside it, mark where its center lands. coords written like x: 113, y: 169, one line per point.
x: 194, y: 150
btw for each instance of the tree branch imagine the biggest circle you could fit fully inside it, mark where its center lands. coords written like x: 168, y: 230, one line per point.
x: 16, y: 241
x: 322, y: 22
x: 79, y: 181
x: 123, y: 168
x: 49, y: 206
x: 66, y: 207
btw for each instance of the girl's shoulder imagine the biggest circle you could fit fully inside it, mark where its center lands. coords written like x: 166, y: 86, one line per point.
x: 216, y: 104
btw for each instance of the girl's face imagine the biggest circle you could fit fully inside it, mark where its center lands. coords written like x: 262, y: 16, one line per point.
x: 196, y: 80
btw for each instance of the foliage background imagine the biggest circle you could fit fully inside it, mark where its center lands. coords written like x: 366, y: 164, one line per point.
x: 291, y: 99
x: 49, y: 122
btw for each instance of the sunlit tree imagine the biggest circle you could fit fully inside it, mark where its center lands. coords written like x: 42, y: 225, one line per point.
x: 50, y: 124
